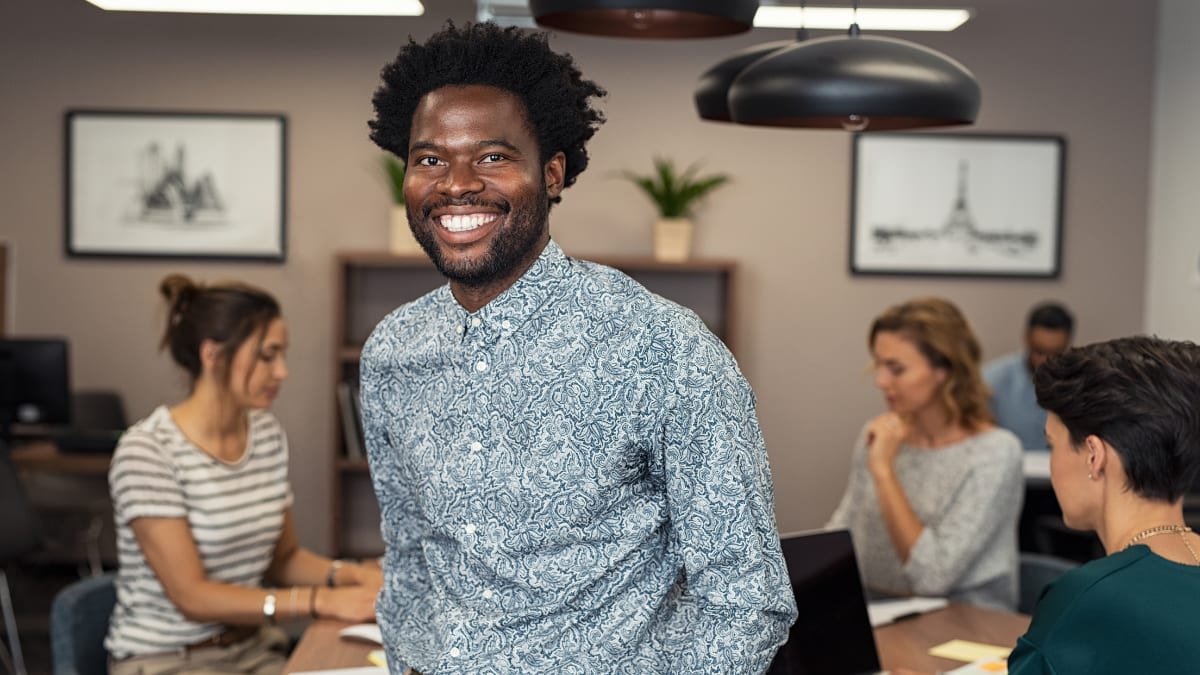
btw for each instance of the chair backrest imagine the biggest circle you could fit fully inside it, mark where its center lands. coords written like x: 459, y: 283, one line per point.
x: 18, y: 524
x: 78, y: 624
x: 1037, y: 572
x: 99, y: 409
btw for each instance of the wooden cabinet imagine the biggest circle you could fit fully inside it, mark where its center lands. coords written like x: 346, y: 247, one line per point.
x: 370, y: 285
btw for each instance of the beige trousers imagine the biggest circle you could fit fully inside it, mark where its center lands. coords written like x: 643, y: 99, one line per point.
x: 262, y: 654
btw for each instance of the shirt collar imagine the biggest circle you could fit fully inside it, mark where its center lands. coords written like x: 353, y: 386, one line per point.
x: 519, y: 301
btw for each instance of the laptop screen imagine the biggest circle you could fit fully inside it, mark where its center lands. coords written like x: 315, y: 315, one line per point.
x: 832, y: 635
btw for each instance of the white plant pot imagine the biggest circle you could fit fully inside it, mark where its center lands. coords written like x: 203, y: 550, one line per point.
x: 402, y: 241
x: 672, y: 239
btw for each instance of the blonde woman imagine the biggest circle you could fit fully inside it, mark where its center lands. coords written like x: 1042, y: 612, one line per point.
x: 935, y: 487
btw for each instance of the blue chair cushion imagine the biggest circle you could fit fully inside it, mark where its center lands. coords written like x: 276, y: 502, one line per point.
x: 79, y: 623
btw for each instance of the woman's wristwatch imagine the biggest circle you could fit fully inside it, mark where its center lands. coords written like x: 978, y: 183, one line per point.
x: 331, y: 577
x: 269, y: 608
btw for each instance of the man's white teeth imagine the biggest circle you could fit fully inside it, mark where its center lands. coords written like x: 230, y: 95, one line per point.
x: 465, y: 223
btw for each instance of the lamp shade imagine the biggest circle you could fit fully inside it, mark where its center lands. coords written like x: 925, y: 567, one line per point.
x: 712, y: 91
x: 646, y: 18
x: 858, y: 83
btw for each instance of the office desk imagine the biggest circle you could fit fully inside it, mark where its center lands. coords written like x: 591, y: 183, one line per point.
x: 906, y: 644
x: 42, y: 455
x: 320, y: 648
x: 901, y: 645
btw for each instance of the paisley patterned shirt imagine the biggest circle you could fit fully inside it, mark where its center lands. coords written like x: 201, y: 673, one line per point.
x: 571, y: 480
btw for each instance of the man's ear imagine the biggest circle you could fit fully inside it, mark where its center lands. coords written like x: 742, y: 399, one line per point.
x: 555, y: 174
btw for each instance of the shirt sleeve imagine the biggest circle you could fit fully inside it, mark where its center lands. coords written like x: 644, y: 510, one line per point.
x: 737, y: 605
x: 142, y: 480
x: 404, y: 606
x: 978, y: 511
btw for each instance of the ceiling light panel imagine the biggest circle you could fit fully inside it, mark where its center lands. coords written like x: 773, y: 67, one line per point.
x: 307, y: 7
x: 868, y: 18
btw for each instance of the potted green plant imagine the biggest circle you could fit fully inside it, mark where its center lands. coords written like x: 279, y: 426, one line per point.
x: 401, y: 239
x: 675, y: 194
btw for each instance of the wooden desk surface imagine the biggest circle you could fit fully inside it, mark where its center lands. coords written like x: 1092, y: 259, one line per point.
x: 320, y: 648
x: 44, y: 456
x: 901, y: 645
x: 906, y: 644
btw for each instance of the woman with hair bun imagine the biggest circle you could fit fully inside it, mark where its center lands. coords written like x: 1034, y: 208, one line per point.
x: 209, y: 559
x: 935, y: 487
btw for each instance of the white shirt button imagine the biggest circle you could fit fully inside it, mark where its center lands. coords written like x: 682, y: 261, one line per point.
x: 476, y: 446
x: 487, y: 594
x: 475, y: 322
x: 506, y: 324
x: 470, y: 528
x: 459, y: 329
x: 481, y: 366
x: 454, y: 651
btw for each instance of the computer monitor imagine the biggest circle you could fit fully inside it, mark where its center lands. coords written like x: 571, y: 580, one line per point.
x: 35, y: 383
x: 832, y: 635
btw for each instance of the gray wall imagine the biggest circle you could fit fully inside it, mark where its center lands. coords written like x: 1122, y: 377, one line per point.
x: 785, y: 217
x: 1173, y: 269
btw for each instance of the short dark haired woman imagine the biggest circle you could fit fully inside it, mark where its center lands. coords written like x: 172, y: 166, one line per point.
x: 203, y: 506
x: 1123, y: 426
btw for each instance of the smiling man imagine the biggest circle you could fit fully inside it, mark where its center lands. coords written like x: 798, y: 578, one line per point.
x: 569, y: 468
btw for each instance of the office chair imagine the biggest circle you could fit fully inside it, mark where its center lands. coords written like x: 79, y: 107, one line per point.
x: 79, y: 619
x: 1037, y: 572
x: 98, y: 409
x: 18, y: 537
x: 79, y: 504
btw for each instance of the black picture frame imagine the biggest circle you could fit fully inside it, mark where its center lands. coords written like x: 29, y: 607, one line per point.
x: 957, y: 205
x: 175, y: 184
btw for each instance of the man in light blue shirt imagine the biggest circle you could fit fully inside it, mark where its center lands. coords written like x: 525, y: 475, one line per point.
x: 569, y: 468
x: 1048, y: 332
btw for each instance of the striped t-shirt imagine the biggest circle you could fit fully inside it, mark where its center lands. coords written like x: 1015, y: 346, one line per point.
x: 235, y: 512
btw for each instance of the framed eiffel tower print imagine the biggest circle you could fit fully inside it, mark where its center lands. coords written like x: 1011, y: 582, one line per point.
x: 937, y: 204
x: 175, y: 185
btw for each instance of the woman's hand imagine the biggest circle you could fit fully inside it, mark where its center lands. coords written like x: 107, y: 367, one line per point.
x: 347, y: 603
x: 366, y: 575
x: 885, y: 434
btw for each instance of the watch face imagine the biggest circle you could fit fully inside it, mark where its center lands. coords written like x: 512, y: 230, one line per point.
x: 269, y: 606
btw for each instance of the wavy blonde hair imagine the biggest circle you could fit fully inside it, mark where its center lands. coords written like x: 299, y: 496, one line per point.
x: 941, y: 333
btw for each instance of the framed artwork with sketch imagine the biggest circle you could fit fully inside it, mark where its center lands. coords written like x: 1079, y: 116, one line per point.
x: 938, y: 204
x: 175, y: 185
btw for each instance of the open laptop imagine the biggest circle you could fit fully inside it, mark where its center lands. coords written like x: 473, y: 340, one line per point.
x: 832, y: 634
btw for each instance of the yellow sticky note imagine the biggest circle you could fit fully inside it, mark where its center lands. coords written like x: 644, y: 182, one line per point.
x: 964, y: 650
x: 376, y: 658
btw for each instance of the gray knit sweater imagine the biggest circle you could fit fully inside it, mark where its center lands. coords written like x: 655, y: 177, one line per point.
x: 968, y: 495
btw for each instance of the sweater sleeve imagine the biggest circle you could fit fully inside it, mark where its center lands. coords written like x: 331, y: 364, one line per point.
x: 852, y: 497
x: 978, y: 512
x: 1027, y: 659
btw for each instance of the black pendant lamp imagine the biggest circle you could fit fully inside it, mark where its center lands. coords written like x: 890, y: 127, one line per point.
x: 859, y: 83
x: 646, y: 18
x: 712, y: 92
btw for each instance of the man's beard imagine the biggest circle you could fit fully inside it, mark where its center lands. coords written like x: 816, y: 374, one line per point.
x: 509, y: 247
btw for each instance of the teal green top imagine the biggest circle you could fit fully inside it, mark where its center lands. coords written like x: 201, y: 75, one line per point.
x: 1130, y: 612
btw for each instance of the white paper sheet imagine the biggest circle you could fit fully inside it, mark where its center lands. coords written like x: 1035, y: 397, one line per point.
x: 883, y: 612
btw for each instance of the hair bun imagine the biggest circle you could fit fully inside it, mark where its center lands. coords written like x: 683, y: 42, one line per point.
x: 179, y: 292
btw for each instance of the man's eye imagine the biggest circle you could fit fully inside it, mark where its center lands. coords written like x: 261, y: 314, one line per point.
x: 493, y: 157
x: 428, y: 161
